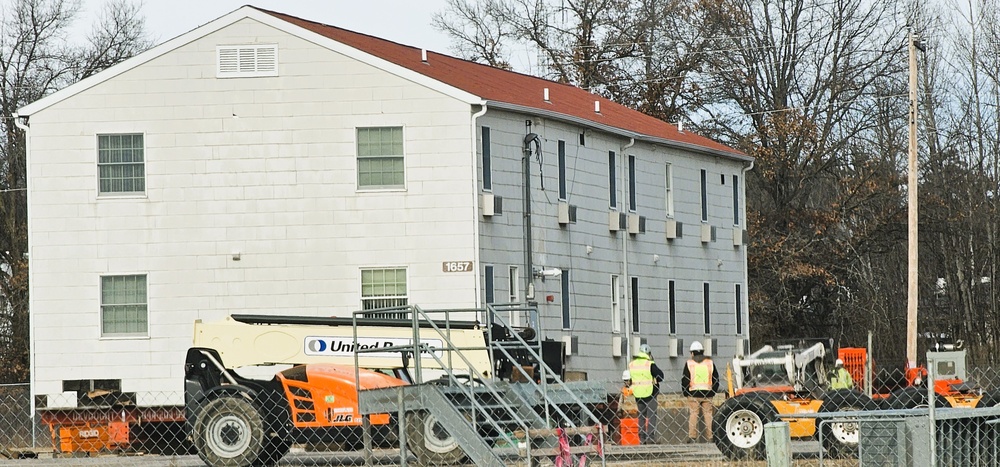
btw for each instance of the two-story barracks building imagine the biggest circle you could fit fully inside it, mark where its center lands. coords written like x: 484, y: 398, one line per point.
x: 263, y: 163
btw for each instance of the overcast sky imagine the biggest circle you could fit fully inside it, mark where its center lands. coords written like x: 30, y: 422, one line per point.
x: 404, y: 21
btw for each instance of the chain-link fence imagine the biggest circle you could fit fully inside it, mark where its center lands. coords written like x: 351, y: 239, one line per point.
x: 899, y: 425
x: 840, y: 428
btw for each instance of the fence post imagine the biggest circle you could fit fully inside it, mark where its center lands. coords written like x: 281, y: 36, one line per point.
x: 931, y: 403
x: 401, y: 424
x: 777, y: 438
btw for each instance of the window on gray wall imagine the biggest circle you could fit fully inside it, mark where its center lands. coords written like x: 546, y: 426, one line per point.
x: 612, y: 185
x: 672, y: 307
x: 487, y: 160
x: 704, y: 195
x: 708, y: 312
x: 635, y: 305
x: 562, y: 170
x: 488, y: 283
x: 736, y: 200
x: 124, y: 310
x: 669, y: 190
x: 631, y: 183
x: 566, y: 322
x: 121, y: 163
x: 616, y: 305
x: 739, y: 310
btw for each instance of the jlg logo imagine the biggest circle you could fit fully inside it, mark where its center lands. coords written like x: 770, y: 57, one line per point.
x: 338, y: 418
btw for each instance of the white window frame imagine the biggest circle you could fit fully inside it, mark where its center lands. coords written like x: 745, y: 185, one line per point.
x: 246, y: 60
x: 671, y: 307
x: 489, y: 284
x: 141, y: 320
x: 668, y: 190
x: 616, y: 304
x: 740, y: 323
x: 401, y: 157
x: 369, y: 302
x: 565, y: 310
x: 633, y: 201
x: 737, y: 218
x: 514, y: 294
x: 486, y: 139
x: 141, y: 165
x: 707, y: 307
x: 704, y: 195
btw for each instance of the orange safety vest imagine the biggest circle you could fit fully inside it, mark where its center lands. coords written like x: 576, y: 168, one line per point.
x: 701, y: 375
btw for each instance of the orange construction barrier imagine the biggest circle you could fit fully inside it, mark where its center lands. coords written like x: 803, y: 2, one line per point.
x: 629, y: 431
x: 854, y: 362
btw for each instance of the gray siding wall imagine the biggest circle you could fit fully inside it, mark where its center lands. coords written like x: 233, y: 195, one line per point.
x: 651, y: 257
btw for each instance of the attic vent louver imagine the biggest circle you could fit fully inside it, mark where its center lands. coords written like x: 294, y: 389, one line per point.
x: 252, y: 60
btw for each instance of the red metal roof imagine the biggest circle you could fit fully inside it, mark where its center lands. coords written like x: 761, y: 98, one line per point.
x: 495, y: 84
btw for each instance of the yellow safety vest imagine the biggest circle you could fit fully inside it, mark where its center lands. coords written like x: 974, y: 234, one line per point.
x: 701, y: 375
x: 642, y: 377
x: 842, y: 380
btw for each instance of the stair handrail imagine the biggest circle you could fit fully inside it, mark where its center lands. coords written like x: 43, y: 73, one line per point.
x: 418, y: 349
x: 544, y: 367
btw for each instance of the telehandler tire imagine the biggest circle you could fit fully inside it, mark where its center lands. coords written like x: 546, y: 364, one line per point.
x: 738, y: 427
x: 430, y: 442
x: 841, y: 437
x: 229, y: 432
x: 911, y: 398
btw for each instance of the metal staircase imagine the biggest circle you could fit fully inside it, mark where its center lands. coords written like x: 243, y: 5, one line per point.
x: 527, y: 413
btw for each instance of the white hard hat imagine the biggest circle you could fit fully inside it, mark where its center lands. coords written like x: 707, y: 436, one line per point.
x: 840, y: 362
x: 626, y: 375
x: 697, y: 347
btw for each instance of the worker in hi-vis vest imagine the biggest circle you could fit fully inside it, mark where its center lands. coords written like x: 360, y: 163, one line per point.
x: 646, y: 378
x: 841, y: 378
x: 699, y: 384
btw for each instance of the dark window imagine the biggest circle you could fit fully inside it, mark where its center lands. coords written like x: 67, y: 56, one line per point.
x: 613, y: 189
x: 736, y: 200
x: 487, y: 160
x: 565, y: 299
x: 739, y: 311
x: 562, y: 169
x: 635, y: 305
x: 704, y: 196
x: 631, y: 183
x: 672, y: 307
x: 488, y: 283
x: 708, y: 314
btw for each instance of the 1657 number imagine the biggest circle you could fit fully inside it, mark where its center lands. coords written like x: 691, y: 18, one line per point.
x: 456, y: 266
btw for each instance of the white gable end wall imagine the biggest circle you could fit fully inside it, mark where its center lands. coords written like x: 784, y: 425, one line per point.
x: 263, y: 167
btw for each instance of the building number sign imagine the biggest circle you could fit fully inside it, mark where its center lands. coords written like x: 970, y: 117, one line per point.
x: 456, y: 266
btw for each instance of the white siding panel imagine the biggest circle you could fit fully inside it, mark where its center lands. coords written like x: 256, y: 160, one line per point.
x: 276, y: 182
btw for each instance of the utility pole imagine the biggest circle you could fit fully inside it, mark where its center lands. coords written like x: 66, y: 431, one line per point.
x: 912, y: 293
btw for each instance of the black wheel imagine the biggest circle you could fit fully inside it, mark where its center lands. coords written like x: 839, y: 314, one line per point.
x: 738, y: 427
x: 911, y: 398
x: 430, y: 442
x: 840, y: 437
x: 229, y: 432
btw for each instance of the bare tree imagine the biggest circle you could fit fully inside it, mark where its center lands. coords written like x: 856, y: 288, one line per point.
x: 36, y: 58
x: 809, y: 79
x: 641, y: 53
